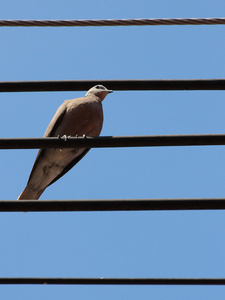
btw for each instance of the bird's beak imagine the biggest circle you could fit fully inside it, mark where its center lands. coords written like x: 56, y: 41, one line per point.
x: 109, y: 91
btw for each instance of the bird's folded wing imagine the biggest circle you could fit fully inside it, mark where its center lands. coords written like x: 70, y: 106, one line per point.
x: 70, y: 165
x: 57, y: 119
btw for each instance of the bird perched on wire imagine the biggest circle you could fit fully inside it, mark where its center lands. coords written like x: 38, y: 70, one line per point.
x: 76, y: 117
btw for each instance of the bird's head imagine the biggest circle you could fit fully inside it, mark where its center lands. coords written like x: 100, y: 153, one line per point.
x: 99, y: 90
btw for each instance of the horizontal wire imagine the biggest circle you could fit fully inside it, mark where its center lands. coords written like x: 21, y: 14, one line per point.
x: 113, y: 141
x: 120, y: 85
x: 116, y: 281
x: 111, y: 205
x: 112, y: 22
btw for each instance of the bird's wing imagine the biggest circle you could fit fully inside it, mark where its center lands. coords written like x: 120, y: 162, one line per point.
x: 56, y: 120
x: 70, y: 165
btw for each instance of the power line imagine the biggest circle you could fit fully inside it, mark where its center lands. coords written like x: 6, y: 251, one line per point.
x: 112, y: 205
x: 112, y: 22
x: 113, y: 141
x: 115, y: 281
x: 120, y: 85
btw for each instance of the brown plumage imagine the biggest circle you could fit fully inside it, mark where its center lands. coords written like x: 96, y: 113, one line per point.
x: 74, y: 117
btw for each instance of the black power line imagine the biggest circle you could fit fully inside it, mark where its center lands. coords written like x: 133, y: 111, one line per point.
x: 113, y: 141
x: 112, y: 205
x: 116, y: 281
x: 120, y: 85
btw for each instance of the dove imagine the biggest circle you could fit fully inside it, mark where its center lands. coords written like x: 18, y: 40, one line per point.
x: 77, y: 117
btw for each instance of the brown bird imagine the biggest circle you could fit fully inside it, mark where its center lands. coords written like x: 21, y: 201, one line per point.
x: 76, y: 117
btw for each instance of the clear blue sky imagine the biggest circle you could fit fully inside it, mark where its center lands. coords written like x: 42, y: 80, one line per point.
x: 116, y: 244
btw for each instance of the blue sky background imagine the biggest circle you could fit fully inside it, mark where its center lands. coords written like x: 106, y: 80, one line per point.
x: 116, y: 244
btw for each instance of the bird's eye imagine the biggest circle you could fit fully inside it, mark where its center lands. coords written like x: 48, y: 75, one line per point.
x: 97, y: 87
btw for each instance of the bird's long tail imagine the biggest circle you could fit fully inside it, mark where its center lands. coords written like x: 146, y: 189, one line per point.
x: 29, y: 194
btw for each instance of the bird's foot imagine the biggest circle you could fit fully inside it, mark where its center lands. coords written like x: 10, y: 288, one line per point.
x: 64, y: 137
x: 84, y: 136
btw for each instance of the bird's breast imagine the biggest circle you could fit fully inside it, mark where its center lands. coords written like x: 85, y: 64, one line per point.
x: 83, y: 118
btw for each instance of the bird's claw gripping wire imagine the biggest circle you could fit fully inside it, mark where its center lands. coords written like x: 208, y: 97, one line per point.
x: 64, y: 137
